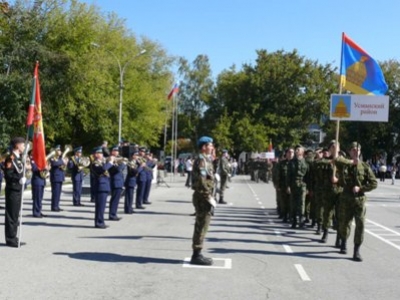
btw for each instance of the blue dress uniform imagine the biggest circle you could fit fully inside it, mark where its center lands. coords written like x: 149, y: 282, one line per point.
x: 13, y: 172
x: 1, y: 174
x: 76, y: 177
x: 149, y: 178
x: 117, y: 184
x: 141, y: 183
x: 38, y: 183
x: 130, y: 184
x: 57, y: 177
x: 101, y: 187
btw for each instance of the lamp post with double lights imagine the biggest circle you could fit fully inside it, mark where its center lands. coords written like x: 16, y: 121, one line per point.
x: 122, y: 68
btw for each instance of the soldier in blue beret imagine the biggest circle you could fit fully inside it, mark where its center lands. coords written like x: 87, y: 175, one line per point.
x: 203, y: 200
x: 74, y: 164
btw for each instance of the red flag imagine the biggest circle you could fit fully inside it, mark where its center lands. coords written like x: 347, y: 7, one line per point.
x: 174, y: 91
x: 270, y: 146
x: 38, y: 146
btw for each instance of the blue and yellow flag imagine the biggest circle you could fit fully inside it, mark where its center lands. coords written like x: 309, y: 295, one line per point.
x: 359, y: 72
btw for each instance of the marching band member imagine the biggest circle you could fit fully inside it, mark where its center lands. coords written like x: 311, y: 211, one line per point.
x: 117, y: 183
x: 150, y: 165
x: 38, y: 183
x: 74, y: 164
x: 57, y: 177
x: 141, y: 179
x: 100, y: 168
x: 130, y: 183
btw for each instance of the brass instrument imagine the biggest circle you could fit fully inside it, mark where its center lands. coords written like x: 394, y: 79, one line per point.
x: 45, y: 173
x: 84, y: 162
x: 67, y: 149
x: 119, y: 160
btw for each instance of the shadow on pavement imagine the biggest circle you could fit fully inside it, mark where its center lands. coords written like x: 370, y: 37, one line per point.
x: 115, y: 258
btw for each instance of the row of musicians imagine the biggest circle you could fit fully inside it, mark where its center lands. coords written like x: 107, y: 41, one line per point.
x: 106, y: 176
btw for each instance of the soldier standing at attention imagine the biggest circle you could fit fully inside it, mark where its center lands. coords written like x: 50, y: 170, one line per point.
x: 203, y: 201
x: 356, y: 178
x: 283, y: 184
x: 318, y: 187
x: 130, y: 183
x: 74, y: 164
x: 224, y: 172
x: 13, y: 174
x: 297, y: 186
x: 38, y: 183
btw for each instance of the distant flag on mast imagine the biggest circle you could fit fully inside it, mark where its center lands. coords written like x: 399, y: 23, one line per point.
x: 174, y: 91
x: 359, y: 72
x: 270, y: 148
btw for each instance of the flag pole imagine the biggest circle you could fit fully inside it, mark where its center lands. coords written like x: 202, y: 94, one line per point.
x: 173, y: 138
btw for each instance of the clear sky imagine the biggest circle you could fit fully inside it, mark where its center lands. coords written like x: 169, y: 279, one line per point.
x: 230, y: 31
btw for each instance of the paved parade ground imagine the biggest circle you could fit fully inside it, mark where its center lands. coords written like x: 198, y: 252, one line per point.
x: 144, y: 255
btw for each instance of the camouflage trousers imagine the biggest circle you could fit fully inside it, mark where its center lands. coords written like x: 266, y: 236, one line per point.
x: 285, y: 202
x: 224, y: 180
x: 318, y: 202
x: 352, y: 206
x: 203, y: 218
x: 331, y: 199
x: 298, y: 201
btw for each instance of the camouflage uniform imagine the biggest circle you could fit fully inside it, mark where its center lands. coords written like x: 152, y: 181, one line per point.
x: 318, y: 190
x: 308, y: 209
x: 275, y: 181
x: 352, y: 205
x: 297, y: 172
x: 224, y: 171
x: 282, y: 184
x: 203, y: 183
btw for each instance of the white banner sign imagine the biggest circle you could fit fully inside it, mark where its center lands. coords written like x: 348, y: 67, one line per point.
x: 359, y: 108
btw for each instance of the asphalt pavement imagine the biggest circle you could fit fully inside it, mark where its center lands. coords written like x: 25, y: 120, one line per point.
x: 145, y: 255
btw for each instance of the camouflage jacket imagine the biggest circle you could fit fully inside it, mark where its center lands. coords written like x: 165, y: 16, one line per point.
x: 298, y: 173
x: 224, y: 167
x: 203, y: 175
x: 351, y: 175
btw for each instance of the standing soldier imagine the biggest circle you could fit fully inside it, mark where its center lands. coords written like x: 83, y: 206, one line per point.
x: 203, y: 201
x: 275, y: 181
x: 356, y: 177
x: 141, y: 179
x: 57, y: 177
x: 101, y: 185
x: 130, y: 183
x: 297, y: 172
x: 117, y: 183
x: 309, y: 157
x: 224, y: 172
x: 13, y: 174
x: 76, y: 168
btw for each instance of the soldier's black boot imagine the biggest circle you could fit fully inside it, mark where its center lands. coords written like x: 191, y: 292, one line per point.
x: 199, y: 259
x: 324, y: 238
x: 294, y: 223
x: 301, y: 222
x: 337, y: 243
x: 318, y: 228
x: 343, y: 246
x: 221, y: 200
x: 284, y: 220
x: 313, y: 223
x: 356, y: 255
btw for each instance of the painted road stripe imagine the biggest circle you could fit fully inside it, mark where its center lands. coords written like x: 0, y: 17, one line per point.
x: 287, y: 249
x: 302, y: 272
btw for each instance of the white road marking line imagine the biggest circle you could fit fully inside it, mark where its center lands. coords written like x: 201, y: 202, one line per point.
x: 287, y: 249
x: 259, y: 203
x: 302, y: 272
x: 378, y: 236
x: 227, y: 264
x: 262, y: 207
x: 277, y: 232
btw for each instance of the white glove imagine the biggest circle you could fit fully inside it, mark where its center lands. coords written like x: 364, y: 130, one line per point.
x: 22, y: 181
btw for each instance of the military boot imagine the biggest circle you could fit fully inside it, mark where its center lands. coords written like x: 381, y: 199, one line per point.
x: 318, y: 228
x: 199, y: 259
x: 221, y: 200
x: 343, y: 246
x: 324, y: 236
x: 301, y: 222
x: 313, y: 223
x: 337, y: 243
x: 294, y: 223
x: 356, y: 255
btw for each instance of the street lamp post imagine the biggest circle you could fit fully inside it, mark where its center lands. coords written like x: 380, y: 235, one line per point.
x: 122, y: 69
